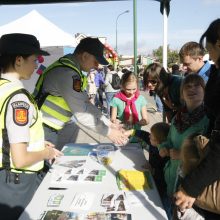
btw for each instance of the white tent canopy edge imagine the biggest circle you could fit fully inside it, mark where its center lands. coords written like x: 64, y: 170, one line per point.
x: 46, y: 32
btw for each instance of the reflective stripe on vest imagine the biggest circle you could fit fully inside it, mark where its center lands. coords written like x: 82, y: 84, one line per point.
x: 36, y: 130
x: 55, y: 110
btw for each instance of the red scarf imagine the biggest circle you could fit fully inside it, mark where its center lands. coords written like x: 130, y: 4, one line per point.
x: 130, y: 104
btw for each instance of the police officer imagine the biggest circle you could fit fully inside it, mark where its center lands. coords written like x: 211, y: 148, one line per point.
x: 60, y: 93
x: 22, y: 146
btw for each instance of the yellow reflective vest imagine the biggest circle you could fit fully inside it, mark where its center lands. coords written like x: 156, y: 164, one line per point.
x: 56, y: 111
x: 7, y: 90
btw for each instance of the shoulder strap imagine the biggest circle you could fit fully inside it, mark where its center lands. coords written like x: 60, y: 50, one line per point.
x: 62, y: 62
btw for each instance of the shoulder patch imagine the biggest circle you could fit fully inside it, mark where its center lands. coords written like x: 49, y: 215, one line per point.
x: 20, y: 112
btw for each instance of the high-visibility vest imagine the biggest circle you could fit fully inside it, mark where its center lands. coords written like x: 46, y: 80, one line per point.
x: 7, y: 91
x: 55, y: 110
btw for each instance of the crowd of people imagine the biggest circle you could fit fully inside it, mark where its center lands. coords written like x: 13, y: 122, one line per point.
x: 191, y: 106
x: 184, y: 150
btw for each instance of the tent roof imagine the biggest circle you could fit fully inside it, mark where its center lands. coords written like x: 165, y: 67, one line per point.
x: 46, y: 32
x: 19, y: 2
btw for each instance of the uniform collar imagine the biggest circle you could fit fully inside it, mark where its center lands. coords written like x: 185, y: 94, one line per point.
x: 74, y: 60
x: 12, y: 78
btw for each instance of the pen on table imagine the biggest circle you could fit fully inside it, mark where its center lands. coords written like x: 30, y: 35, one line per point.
x: 56, y: 188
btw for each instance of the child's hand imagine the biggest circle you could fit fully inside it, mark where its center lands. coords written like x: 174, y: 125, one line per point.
x: 164, y: 152
x: 174, y: 154
x: 143, y: 122
x: 115, y: 121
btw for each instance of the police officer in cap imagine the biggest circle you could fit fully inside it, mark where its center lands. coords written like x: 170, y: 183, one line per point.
x: 60, y: 93
x: 23, y: 149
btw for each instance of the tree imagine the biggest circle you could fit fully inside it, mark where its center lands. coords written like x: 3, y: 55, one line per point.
x: 172, y: 55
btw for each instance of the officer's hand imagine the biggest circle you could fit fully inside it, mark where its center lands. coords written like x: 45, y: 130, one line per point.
x: 48, y: 144
x: 117, y: 136
x: 52, y: 153
x: 116, y: 125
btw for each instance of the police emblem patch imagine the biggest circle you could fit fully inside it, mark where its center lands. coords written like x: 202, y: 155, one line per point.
x: 20, y: 112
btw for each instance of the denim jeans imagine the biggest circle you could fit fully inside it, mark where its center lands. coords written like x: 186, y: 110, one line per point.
x: 158, y: 102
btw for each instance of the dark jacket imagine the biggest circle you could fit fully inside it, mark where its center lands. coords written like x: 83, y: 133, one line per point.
x: 208, y: 170
x: 157, y: 163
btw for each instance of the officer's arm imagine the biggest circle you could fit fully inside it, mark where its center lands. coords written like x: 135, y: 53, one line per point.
x: 86, y: 114
x: 22, y: 158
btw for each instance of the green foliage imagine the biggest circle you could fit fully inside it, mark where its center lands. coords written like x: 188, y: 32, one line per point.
x: 172, y: 55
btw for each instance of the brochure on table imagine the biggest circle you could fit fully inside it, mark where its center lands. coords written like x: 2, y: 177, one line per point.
x: 58, y: 215
x: 83, y: 203
x: 81, y: 149
x: 68, y: 170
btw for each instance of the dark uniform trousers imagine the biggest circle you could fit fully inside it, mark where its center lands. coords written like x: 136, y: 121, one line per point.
x: 16, y: 191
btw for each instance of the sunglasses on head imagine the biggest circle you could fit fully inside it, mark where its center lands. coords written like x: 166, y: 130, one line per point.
x: 152, y: 81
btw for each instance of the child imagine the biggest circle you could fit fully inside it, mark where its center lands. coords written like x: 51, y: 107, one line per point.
x: 194, y: 150
x: 188, y: 120
x: 128, y: 105
x: 158, y: 134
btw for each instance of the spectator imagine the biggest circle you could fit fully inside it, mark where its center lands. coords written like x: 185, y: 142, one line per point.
x: 128, y: 105
x: 175, y: 69
x: 208, y: 170
x: 193, y: 151
x: 158, y: 134
x: 164, y: 87
x: 99, y: 82
x: 91, y: 86
x: 189, y: 119
x: 191, y: 55
x: 109, y: 91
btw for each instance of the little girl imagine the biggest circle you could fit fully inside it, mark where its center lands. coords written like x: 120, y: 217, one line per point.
x: 128, y: 105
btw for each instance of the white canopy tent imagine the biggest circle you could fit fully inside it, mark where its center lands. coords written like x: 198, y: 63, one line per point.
x: 46, y: 32
x: 52, y: 38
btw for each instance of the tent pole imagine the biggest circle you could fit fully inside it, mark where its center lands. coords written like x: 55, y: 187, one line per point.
x: 165, y: 27
x: 135, y: 34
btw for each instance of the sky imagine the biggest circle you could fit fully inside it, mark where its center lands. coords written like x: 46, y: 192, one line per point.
x: 187, y: 21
